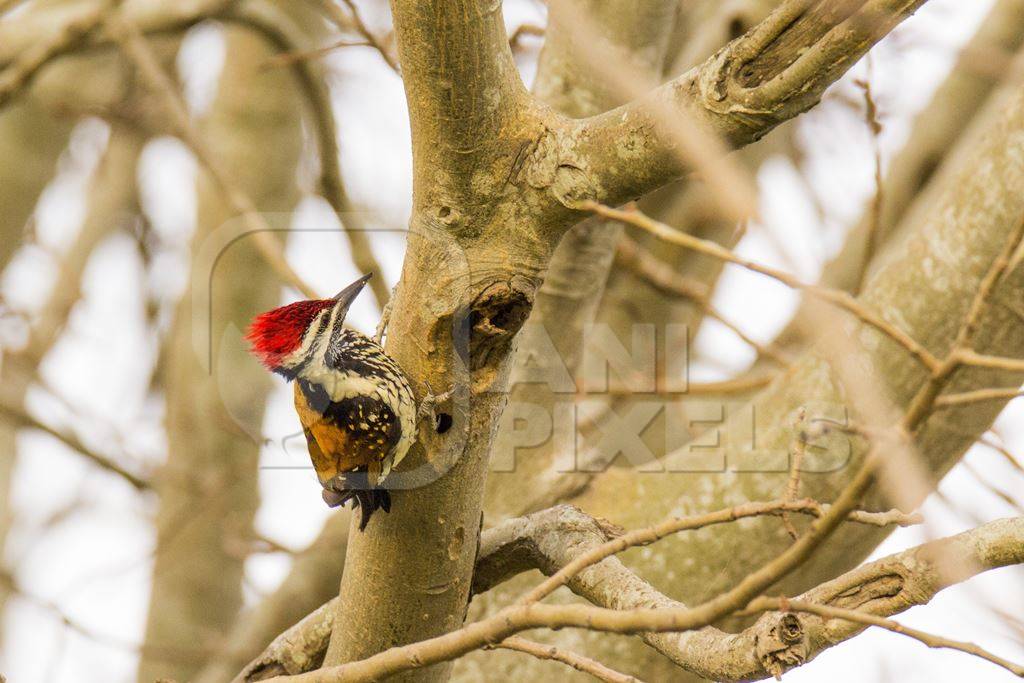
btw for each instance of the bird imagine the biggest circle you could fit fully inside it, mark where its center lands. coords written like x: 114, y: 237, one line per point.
x: 356, y: 406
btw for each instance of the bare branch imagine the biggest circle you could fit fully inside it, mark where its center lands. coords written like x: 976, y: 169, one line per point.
x: 661, y: 276
x: 576, y: 661
x: 466, y: 98
x: 839, y: 298
x: 20, y: 74
x: 555, y: 541
x: 300, y: 648
x: 23, y: 419
x: 135, y: 48
x: 978, y: 396
x: 332, y: 185
x: 354, y: 22
x: 777, y: 642
x: 646, y: 536
x: 859, y: 617
x: 311, y: 581
x: 773, y: 73
x: 371, y: 38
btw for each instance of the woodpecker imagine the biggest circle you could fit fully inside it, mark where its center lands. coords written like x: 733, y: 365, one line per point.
x: 355, y: 404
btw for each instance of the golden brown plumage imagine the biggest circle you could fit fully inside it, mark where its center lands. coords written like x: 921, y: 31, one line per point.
x: 355, y: 405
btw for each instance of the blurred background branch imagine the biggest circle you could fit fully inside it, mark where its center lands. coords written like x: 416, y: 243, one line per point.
x: 151, y: 495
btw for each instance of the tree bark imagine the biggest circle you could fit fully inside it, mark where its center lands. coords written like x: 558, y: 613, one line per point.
x: 497, y: 181
x: 636, y: 33
x: 933, y: 135
x: 937, y: 266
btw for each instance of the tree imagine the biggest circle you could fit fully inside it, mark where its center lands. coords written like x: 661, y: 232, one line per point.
x: 521, y: 285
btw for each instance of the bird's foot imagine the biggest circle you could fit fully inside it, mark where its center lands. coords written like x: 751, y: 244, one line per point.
x: 337, y: 492
x: 428, y: 406
x: 385, y: 318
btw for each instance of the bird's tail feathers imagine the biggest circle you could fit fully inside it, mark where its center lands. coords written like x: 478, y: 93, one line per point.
x: 367, y: 500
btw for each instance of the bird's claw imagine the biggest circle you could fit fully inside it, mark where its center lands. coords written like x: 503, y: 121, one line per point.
x: 336, y: 493
x: 385, y: 318
x: 427, y: 406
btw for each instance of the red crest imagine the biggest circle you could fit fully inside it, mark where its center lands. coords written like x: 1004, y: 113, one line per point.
x: 277, y: 333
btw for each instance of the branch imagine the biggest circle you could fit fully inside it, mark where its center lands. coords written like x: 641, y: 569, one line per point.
x: 554, y: 541
x: 576, y: 661
x: 466, y: 98
x: 665, y: 279
x: 23, y: 419
x: 775, y: 643
x: 23, y: 71
x: 834, y: 296
x: 20, y: 38
x: 332, y: 187
x: 133, y: 43
x: 672, y: 526
x: 858, y: 617
x: 300, y: 648
x: 978, y: 396
x: 975, y: 207
x: 370, y: 37
x: 955, y: 104
x: 775, y: 72
x: 311, y: 581
x: 163, y: 19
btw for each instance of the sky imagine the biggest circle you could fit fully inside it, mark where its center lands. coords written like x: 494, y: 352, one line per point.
x: 85, y: 539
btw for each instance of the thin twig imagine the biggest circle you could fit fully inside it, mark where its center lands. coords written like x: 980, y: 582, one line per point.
x: 325, y: 128
x: 1001, y: 450
x: 1008, y: 499
x: 736, y: 385
x: 978, y: 360
x: 355, y: 21
x: 839, y: 298
x: 912, y: 577
x: 290, y: 58
x: 999, y: 267
x: 675, y: 525
x: 134, y: 46
x: 931, y: 640
x: 662, y: 277
x: 21, y: 73
x: 528, y: 614
x: 961, y: 353
x: 796, y: 462
x: 573, y: 659
x: 874, y: 227
x: 25, y: 420
x: 978, y: 396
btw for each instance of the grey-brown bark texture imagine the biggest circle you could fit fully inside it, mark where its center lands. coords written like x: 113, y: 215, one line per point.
x: 500, y: 177
x: 208, y: 492
x: 947, y: 247
x: 574, y: 294
x: 496, y: 180
x: 552, y: 339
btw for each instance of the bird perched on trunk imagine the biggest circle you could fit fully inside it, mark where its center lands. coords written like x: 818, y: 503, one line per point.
x: 354, y: 402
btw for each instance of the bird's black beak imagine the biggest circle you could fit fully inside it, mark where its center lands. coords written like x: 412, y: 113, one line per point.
x: 346, y: 296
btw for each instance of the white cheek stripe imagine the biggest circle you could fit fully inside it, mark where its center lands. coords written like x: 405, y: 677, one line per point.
x: 298, y: 355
